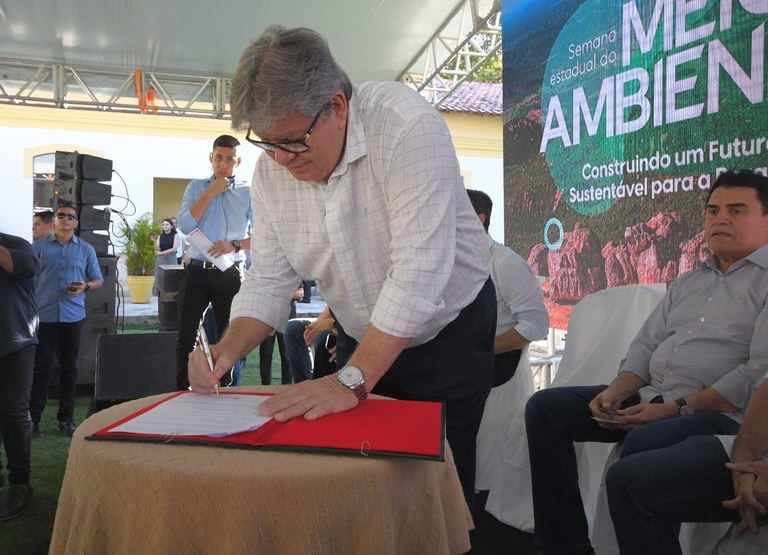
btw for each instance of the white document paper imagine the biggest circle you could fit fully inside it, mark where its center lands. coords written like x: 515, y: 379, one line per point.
x: 202, y: 244
x: 199, y: 415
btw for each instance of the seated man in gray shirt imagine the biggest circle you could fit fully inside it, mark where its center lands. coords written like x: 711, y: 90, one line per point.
x: 690, y: 371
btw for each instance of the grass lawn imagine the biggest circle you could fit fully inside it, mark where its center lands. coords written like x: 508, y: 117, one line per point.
x: 30, y: 533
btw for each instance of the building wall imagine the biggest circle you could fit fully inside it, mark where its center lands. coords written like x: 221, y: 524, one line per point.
x: 155, y: 156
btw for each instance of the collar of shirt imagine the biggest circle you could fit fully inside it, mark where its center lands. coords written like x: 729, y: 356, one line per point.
x: 759, y: 257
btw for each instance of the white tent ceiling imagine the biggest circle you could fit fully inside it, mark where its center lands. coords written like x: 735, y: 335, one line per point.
x: 107, y: 40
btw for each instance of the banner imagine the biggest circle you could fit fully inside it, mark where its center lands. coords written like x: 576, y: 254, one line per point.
x: 618, y: 116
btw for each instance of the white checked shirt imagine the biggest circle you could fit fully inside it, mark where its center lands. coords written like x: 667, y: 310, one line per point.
x: 391, y: 239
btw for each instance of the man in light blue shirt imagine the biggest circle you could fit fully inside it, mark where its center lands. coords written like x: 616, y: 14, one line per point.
x: 68, y: 269
x: 220, y: 207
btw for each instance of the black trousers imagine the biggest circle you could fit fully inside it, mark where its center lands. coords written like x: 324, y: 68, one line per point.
x: 505, y: 365
x: 266, y: 350
x: 15, y: 424
x: 63, y: 340
x: 199, y: 287
x: 456, y: 367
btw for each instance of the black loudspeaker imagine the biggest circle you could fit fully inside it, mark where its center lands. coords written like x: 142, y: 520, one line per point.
x: 73, y: 165
x: 93, y: 192
x: 92, y: 219
x: 168, y: 283
x: 82, y: 192
x: 65, y: 164
x: 99, y: 241
x: 92, y: 330
x: 130, y: 366
x: 76, y: 181
x: 99, y: 318
x: 64, y: 191
x: 100, y: 303
x: 95, y: 168
x: 169, y: 277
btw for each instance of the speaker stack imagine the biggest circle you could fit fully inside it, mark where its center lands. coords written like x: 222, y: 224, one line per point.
x: 78, y: 181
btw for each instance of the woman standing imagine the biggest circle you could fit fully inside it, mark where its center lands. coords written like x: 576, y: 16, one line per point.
x: 166, y: 245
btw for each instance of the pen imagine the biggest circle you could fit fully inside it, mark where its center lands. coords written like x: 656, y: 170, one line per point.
x: 207, y: 350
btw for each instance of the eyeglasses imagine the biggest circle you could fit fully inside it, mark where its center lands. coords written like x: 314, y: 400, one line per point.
x: 62, y: 215
x: 294, y: 147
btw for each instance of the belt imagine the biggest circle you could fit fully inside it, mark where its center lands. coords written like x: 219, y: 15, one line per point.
x: 205, y: 265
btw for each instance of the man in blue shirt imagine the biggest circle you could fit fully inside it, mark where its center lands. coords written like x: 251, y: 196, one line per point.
x: 18, y: 312
x: 220, y: 207
x: 68, y: 269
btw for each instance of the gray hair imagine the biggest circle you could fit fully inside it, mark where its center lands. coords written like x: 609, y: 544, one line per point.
x: 284, y: 71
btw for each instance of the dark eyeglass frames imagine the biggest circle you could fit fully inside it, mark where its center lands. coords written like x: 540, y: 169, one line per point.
x: 62, y: 215
x: 295, y: 147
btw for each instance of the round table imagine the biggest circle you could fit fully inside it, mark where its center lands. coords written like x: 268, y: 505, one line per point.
x: 129, y: 497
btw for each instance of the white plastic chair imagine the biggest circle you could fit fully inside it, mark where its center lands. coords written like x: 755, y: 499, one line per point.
x: 501, y: 404
x: 696, y: 538
x: 600, y: 330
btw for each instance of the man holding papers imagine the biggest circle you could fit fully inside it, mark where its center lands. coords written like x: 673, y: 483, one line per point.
x: 215, y: 213
x: 359, y: 189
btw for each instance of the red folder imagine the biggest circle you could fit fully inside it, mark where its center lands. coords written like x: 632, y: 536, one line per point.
x: 387, y: 427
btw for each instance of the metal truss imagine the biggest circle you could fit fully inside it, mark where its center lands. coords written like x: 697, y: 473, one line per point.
x: 469, y: 36
x: 62, y: 86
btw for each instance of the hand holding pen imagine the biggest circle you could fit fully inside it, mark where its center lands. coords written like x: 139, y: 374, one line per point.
x: 203, y: 338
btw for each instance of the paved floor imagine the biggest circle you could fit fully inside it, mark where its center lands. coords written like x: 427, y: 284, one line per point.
x: 145, y: 314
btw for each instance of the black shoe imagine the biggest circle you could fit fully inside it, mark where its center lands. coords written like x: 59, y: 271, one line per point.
x: 67, y: 427
x: 18, y: 498
x: 36, y: 430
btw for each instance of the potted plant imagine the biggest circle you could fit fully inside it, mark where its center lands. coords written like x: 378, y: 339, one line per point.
x: 139, y: 254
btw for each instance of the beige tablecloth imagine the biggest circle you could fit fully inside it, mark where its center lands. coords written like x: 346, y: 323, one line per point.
x: 124, y: 497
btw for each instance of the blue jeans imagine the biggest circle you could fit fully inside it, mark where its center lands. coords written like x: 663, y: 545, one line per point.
x: 299, y: 356
x: 555, y: 418
x: 651, y: 493
x: 296, y: 350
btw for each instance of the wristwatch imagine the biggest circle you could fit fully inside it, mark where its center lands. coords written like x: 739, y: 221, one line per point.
x: 683, y: 408
x: 352, y: 378
x: 235, y: 243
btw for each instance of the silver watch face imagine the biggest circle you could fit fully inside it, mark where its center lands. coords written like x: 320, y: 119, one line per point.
x: 350, y: 376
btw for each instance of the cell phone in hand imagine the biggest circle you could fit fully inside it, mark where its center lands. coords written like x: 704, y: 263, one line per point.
x: 330, y: 341
x: 74, y: 285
